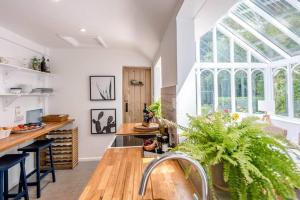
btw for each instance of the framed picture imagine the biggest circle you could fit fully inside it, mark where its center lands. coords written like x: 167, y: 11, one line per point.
x: 102, y: 88
x: 103, y: 121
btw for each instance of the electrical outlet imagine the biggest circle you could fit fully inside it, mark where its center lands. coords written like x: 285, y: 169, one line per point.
x: 18, y: 114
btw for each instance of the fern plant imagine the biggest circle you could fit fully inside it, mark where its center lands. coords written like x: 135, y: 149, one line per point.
x: 255, y: 165
x: 155, y: 107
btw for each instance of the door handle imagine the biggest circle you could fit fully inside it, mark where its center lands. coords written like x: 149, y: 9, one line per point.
x: 126, y: 107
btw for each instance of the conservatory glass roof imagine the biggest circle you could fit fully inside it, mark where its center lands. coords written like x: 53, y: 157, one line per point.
x: 269, y: 27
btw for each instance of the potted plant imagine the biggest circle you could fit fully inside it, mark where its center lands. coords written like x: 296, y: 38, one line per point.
x: 35, y: 63
x: 252, y: 163
x: 155, y: 108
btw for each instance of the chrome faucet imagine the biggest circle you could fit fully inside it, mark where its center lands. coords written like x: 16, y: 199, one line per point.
x: 171, y: 156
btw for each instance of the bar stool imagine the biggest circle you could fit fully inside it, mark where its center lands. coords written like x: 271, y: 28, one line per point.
x: 7, y: 162
x: 36, y: 147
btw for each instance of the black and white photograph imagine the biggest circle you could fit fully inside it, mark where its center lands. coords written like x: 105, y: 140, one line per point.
x: 102, y: 88
x: 103, y: 121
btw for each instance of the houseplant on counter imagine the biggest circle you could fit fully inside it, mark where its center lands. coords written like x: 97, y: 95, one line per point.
x: 255, y: 165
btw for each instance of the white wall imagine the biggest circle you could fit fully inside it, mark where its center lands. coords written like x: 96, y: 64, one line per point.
x: 73, y: 68
x: 167, y: 52
x: 18, y: 50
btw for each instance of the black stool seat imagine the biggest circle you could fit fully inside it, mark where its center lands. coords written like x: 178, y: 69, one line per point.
x: 7, y: 162
x: 10, y: 160
x: 37, y: 145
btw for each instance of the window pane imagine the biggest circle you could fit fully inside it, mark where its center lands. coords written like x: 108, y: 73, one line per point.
x: 207, y: 92
x: 296, y: 86
x: 241, y: 91
x: 267, y: 29
x: 240, y: 54
x: 224, y: 91
x: 255, y: 60
x: 206, y: 47
x: 258, y: 92
x: 280, y: 93
x: 223, y: 45
x: 283, y: 11
x: 251, y: 40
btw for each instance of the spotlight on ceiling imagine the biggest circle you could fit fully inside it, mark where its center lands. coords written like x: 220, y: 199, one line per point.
x: 101, y: 42
x: 83, y: 30
x: 70, y: 40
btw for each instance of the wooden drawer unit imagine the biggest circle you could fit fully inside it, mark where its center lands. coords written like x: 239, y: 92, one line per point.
x: 65, y: 149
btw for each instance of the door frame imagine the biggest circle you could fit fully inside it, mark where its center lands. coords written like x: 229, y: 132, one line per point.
x: 151, y: 85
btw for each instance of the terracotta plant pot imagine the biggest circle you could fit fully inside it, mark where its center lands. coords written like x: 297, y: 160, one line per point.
x: 217, y: 172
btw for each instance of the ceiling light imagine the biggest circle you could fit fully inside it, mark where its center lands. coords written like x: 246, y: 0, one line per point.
x: 83, y: 30
x: 101, y: 41
x: 56, y: 0
x: 70, y: 40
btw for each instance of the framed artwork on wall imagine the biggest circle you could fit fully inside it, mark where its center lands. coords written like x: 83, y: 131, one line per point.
x: 102, y: 88
x: 103, y: 121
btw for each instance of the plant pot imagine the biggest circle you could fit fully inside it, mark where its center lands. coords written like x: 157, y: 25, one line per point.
x: 217, y: 172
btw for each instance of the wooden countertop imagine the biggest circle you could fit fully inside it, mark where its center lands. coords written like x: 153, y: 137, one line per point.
x: 127, y: 129
x: 118, y: 176
x: 19, y: 138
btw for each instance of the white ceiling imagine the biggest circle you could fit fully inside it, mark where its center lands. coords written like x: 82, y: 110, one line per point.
x: 122, y: 24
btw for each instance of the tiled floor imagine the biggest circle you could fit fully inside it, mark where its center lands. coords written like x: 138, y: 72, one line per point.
x: 69, y: 183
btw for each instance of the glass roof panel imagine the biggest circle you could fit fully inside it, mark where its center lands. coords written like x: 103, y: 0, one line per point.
x: 250, y: 39
x: 284, y: 12
x: 267, y: 29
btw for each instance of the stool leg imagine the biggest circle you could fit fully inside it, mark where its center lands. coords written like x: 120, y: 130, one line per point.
x: 24, y: 181
x: 52, y: 164
x: 1, y: 185
x: 5, y: 185
x: 38, y: 175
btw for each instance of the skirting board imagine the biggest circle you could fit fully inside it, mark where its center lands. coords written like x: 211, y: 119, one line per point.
x: 88, y: 159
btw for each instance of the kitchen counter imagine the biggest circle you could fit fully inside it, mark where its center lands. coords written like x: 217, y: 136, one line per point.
x: 118, y: 176
x: 18, y: 138
x: 127, y: 129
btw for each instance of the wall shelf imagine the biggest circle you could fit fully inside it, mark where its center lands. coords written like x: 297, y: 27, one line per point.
x: 9, y: 67
x: 25, y: 94
x: 8, y: 98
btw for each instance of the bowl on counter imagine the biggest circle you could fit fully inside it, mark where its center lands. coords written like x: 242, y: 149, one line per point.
x: 4, y: 132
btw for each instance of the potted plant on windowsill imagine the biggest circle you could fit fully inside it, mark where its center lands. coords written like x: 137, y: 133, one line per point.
x: 253, y: 164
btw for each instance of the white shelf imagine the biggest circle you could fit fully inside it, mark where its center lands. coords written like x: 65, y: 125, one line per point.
x: 23, y: 69
x: 25, y: 94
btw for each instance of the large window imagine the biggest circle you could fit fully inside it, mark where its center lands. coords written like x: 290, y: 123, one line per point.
x: 240, y: 54
x: 258, y: 91
x: 296, y: 90
x: 223, y: 44
x: 280, y: 92
x: 207, y: 92
x: 206, y: 47
x: 241, y: 91
x: 224, y: 91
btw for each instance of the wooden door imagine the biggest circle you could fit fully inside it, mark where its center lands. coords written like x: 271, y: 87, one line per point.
x: 136, y: 92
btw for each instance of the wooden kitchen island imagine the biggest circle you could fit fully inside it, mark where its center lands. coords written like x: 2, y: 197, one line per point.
x: 127, y: 129
x: 119, y: 173
x: 16, y: 139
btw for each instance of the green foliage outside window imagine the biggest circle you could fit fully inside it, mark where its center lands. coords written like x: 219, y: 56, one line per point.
x: 280, y: 93
x: 207, y: 92
x: 241, y: 91
x: 224, y: 91
x: 206, y: 47
x: 258, y: 92
x: 296, y: 88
